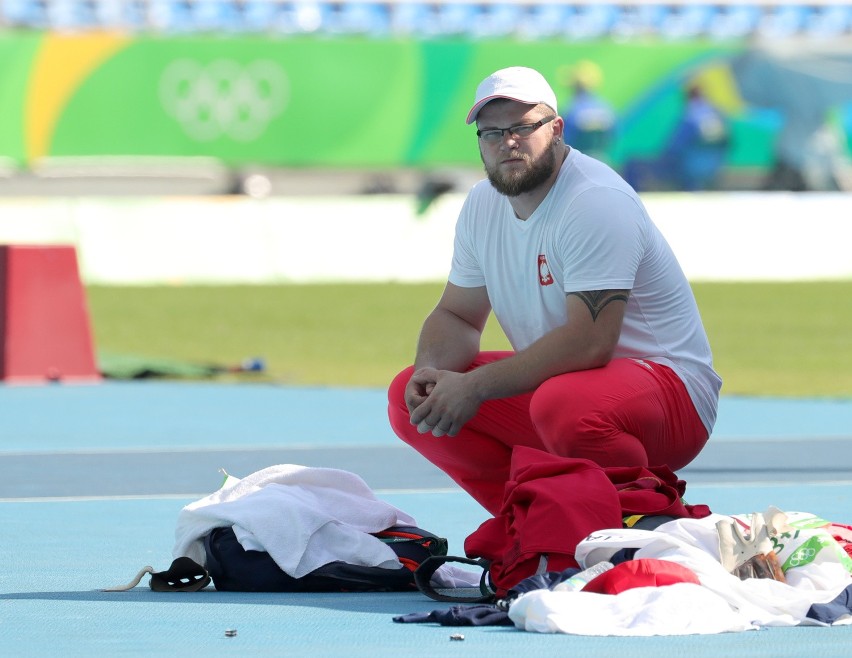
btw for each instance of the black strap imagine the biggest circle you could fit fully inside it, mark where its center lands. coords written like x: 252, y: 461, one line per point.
x: 423, y: 580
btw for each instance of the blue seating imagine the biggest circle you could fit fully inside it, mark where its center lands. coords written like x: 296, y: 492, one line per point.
x: 369, y: 18
x: 24, y: 13
x: 171, y: 16
x: 259, y: 15
x: 71, y: 15
x: 783, y: 21
x: 303, y: 17
x: 124, y: 14
x: 688, y: 22
x: 456, y: 18
x: 412, y: 19
x: 424, y: 20
x: 592, y: 21
x: 476, y: 19
x: 116, y: 15
x: 639, y: 21
x: 735, y: 22
x: 545, y: 20
x: 829, y: 21
x: 498, y: 20
x: 215, y: 16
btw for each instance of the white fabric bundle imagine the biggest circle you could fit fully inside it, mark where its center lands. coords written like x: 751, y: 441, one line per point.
x: 303, y: 517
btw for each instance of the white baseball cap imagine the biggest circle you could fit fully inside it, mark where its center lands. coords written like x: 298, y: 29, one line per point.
x: 516, y: 83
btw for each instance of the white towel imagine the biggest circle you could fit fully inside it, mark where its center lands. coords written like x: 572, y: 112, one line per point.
x: 303, y: 517
x: 721, y: 603
x: 681, y: 609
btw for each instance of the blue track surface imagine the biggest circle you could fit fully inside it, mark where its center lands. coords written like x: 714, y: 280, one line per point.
x: 93, y: 478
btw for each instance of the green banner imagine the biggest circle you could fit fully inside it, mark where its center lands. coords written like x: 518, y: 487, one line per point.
x: 325, y: 102
x: 16, y: 55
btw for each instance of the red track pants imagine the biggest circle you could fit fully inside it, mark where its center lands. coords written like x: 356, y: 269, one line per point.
x: 628, y: 413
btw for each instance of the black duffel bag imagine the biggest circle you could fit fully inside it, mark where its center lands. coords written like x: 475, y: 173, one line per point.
x: 234, y: 569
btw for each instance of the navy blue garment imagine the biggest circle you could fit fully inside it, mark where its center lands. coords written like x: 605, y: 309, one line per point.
x: 488, y: 614
x: 485, y: 614
x: 623, y: 555
x: 833, y: 610
x: 547, y: 580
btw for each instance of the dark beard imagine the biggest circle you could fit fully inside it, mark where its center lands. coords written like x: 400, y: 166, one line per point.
x: 525, y: 181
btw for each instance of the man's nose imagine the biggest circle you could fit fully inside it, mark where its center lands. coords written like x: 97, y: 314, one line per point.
x: 508, y: 140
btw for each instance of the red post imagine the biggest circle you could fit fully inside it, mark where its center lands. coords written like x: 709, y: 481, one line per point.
x: 44, y: 320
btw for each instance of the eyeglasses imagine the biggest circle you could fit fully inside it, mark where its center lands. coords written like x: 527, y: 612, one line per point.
x: 522, y: 131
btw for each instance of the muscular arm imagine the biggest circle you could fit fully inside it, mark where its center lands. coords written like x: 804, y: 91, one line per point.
x: 587, y: 340
x: 449, y: 339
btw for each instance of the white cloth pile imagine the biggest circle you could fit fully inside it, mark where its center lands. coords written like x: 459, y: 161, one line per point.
x: 303, y: 517
x: 816, y: 568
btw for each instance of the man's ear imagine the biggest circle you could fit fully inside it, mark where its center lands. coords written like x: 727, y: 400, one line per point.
x: 558, y: 129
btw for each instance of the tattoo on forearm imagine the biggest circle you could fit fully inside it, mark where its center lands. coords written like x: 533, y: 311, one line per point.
x: 596, y: 300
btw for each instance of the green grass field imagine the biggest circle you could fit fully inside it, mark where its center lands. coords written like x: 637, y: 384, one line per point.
x: 785, y: 339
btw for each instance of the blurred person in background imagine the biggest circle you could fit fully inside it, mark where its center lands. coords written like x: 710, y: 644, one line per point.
x: 610, y: 360
x: 589, y: 120
x: 694, y: 153
x: 811, y: 156
x: 807, y: 87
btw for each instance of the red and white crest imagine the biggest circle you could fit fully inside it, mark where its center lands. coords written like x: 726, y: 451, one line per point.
x: 545, y: 278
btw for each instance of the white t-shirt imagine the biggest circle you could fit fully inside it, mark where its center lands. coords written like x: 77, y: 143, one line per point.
x: 591, y: 232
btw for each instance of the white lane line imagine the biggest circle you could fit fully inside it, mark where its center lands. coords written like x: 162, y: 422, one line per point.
x: 191, y: 497
x: 396, y: 492
x: 154, y: 450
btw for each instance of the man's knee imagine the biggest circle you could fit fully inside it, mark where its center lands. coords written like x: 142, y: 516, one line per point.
x: 396, y: 390
x: 573, y: 420
x: 397, y: 409
x: 557, y: 406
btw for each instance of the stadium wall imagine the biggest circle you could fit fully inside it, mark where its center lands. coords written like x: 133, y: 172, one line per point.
x: 238, y: 240
x: 313, y: 101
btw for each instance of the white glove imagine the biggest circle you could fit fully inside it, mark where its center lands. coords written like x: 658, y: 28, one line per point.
x: 736, y: 548
x: 776, y: 521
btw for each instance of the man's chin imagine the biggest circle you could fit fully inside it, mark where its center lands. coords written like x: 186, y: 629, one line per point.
x: 510, y: 188
x: 512, y: 178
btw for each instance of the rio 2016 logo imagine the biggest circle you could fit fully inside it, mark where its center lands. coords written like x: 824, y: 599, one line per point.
x: 224, y: 98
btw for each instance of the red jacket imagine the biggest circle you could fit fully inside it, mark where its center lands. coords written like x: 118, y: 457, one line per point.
x: 551, y: 503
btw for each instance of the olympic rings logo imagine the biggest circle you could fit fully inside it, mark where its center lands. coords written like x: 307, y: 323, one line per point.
x: 802, y: 556
x: 224, y: 98
x: 807, y: 552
